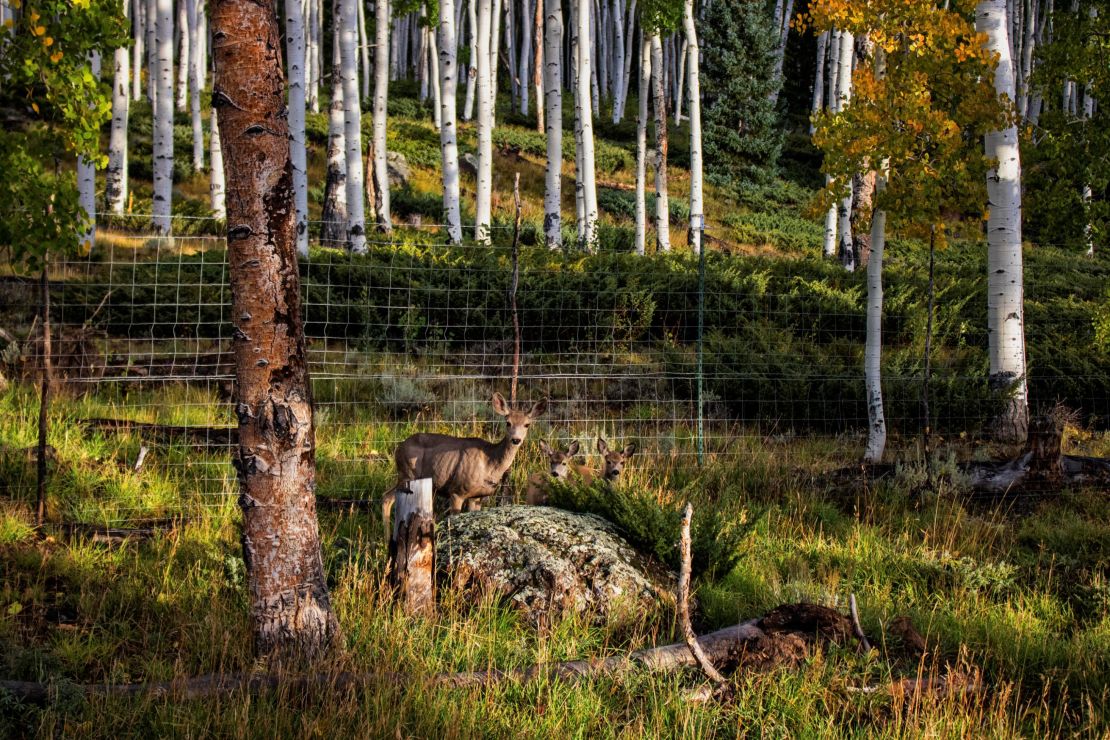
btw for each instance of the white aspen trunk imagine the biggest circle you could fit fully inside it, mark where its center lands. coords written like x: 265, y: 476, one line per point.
x: 1005, y: 286
x: 152, y: 73
x: 537, y: 64
x: 833, y: 68
x: 318, y: 51
x: 163, y: 119
x: 334, y: 217
x: 138, y: 51
x: 1027, y: 47
x: 840, y: 230
x: 381, y: 95
x: 511, y: 50
x: 352, y: 130
x: 115, y: 177
x: 298, y: 155
x: 472, y: 66
x: 584, y: 111
x: 202, y: 41
x: 196, y: 77
x: 576, y: 60
x: 437, y: 85
x: 782, y: 27
x: 873, y: 347
x: 183, y: 60
x: 364, y: 47
x: 1088, y: 112
x: 494, y: 50
x: 216, y: 187
x: 553, y: 94
x: 641, y: 144
x: 629, y: 54
x: 818, y: 81
x: 617, y: 62
x: 484, y: 190
x: 310, y: 54
x: 697, y: 207
x: 448, y: 130
x: 679, y: 83
x: 1036, y: 99
x: 525, y: 55
x: 591, y: 47
x: 86, y: 178
x: 662, y: 204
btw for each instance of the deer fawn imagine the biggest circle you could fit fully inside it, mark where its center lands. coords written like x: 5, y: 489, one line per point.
x: 464, y: 469
x: 562, y: 464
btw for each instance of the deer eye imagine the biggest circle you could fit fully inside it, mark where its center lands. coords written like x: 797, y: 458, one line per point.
x: 527, y: 425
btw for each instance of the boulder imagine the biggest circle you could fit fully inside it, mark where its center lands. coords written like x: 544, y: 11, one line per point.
x: 398, y: 168
x: 468, y: 163
x: 551, y: 563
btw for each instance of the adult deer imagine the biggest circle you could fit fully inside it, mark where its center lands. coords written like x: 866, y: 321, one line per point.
x: 464, y: 469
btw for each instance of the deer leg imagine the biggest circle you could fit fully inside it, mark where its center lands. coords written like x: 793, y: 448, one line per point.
x: 387, y: 507
x: 474, y: 504
x: 456, y: 504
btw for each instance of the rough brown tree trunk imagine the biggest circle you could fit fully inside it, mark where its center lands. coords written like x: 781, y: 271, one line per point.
x: 290, y: 608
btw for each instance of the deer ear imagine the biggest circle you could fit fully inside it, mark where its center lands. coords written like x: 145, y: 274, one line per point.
x: 545, y: 448
x: 574, y: 448
x: 629, y: 449
x: 602, y: 448
x: 499, y: 405
x: 538, y: 408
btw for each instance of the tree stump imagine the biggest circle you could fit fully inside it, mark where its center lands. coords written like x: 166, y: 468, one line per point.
x: 412, y: 548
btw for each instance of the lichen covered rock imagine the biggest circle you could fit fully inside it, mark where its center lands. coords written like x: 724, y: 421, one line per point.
x: 550, y: 562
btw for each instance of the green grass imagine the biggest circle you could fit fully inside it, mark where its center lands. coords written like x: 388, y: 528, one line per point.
x: 1023, y: 597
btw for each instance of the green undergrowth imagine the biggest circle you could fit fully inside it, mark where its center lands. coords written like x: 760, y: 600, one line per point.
x: 1022, y: 597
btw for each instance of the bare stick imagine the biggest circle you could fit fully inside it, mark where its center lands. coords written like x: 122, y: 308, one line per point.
x: 684, y: 603
x: 513, y: 287
x: 143, y: 451
x: 856, y: 626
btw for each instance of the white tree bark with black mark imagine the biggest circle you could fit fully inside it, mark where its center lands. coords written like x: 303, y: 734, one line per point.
x: 838, y: 225
x: 334, y: 217
x: 525, y: 55
x: 472, y: 66
x: 290, y: 608
x: 298, y: 153
x: 152, y: 67
x: 86, y: 179
x: 697, y: 205
x: 584, y: 113
x: 138, y: 50
x: 1005, y: 283
x: 818, y: 82
x: 217, y: 190
x: 659, y: 98
x: 553, y: 115
x: 163, y: 119
x: 448, y: 73
x: 196, y: 81
x: 363, y: 47
x: 618, y: 68
x: 873, y: 345
x: 182, y: 30
x: 783, y: 11
x: 641, y: 144
x: 381, y: 95
x: 115, y: 177
x: 352, y: 128
x: 483, y: 196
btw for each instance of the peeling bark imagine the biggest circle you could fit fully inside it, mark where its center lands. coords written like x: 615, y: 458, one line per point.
x: 290, y: 607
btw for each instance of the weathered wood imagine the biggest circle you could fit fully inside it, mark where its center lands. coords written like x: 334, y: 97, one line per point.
x: 684, y: 603
x: 412, y: 548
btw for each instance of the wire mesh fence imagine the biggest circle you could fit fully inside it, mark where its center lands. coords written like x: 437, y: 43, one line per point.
x: 417, y: 334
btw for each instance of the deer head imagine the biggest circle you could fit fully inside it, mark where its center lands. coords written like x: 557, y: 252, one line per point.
x: 517, y: 421
x: 614, y: 460
x: 559, y: 460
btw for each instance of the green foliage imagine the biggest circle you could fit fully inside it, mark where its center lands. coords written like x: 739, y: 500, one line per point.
x: 608, y: 157
x: 653, y: 526
x: 622, y: 204
x: 741, y: 131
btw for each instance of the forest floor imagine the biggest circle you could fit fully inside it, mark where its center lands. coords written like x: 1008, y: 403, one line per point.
x: 1015, y: 590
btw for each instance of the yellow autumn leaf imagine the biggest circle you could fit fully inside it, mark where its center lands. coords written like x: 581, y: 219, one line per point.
x: 38, y: 30
x: 56, y: 57
x: 8, y: 23
x: 48, y: 41
x: 35, y: 107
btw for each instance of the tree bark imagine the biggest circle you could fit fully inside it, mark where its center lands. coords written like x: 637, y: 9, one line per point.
x: 697, y: 207
x: 641, y: 144
x: 537, y: 65
x: 1005, y: 291
x: 784, y: 8
x: 472, y: 66
x: 484, y: 194
x: 412, y: 549
x: 448, y: 72
x: 584, y: 112
x: 818, y: 81
x: 196, y: 81
x: 352, y: 128
x: 290, y: 608
x: 163, y: 119
x: 334, y: 227
x: 138, y: 50
x: 115, y: 177
x: 295, y: 49
x: 525, y: 58
x: 873, y: 347
x: 86, y: 180
x: 216, y: 187
x: 183, y: 55
x: 363, y: 46
x: 662, y: 203
x: 553, y: 93
x: 381, y: 94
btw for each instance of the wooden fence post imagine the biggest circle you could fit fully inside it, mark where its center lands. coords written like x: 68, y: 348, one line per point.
x: 412, y: 548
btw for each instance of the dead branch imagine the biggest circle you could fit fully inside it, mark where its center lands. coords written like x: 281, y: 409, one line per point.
x: 684, y: 602
x: 857, y: 628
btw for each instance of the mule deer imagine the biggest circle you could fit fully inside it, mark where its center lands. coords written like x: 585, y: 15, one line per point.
x: 562, y: 465
x: 464, y: 469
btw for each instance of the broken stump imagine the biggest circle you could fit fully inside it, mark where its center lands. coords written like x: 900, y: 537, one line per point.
x: 412, y: 548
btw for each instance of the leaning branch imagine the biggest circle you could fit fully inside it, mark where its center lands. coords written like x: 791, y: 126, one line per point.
x: 684, y: 603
